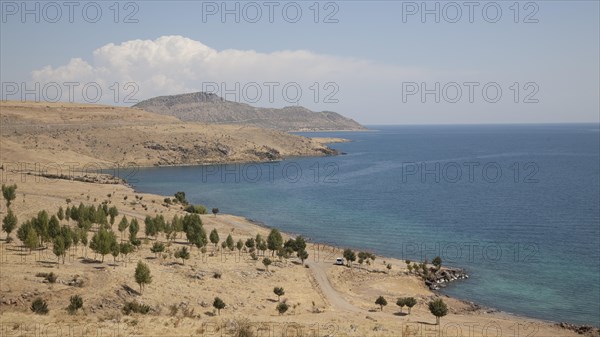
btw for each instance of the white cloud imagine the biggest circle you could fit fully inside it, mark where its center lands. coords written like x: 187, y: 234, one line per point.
x: 176, y: 64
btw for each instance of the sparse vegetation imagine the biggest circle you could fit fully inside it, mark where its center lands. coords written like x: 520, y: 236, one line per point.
x: 75, y: 303
x: 39, y: 306
x: 135, y: 307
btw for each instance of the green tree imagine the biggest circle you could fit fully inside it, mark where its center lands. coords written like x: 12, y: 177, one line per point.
x: 262, y: 246
x: 180, y: 197
x: 9, y: 192
x: 53, y: 227
x: 215, y: 211
x: 239, y: 245
x: 274, y: 241
x: 229, y: 242
x: 302, y: 255
x: 350, y: 256
x: 381, y: 302
x: 151, y: 228
x: 157, y: 248
x: 182, y: 254
x: 41, y: 226
x: 32, y: 240
x: 134, y: 228
x: 249, y: 243
x: 142, y: 275
x: 103, y: 241
x: 113, y: 212
x: 68, y: 214
x: 123, y: 224
x: 194, y: 230
x: 438, y: 309
x: 267, y: 262
x: 218, y: 304
x: 410, y: 303
x: 214, y: 237
x: 401, y: 302
x: 177, y: 224
x: 83, y: 237
x: 282, y: 308
x: 125, y: 248
x: 9, y: 223
x: 60, y: 214
x: 115, y: 250
x: 279, y: 292
x: 59, y: 247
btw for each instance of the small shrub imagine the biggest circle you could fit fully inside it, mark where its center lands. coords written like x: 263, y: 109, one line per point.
x: 50, y: 277
x: 39, y: 306
x: 243, y: 329
x: 173, y: 309
x: 135, y: 307
x: 76, y: 302
x: 217, y: 275
x: 282, y: 308
x: 253, y: 256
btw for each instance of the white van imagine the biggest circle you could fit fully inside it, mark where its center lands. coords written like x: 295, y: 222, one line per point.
x: 339, y: 261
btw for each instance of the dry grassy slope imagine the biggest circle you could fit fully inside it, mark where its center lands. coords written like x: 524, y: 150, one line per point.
x: 245, y: 286
x: 62, y: 132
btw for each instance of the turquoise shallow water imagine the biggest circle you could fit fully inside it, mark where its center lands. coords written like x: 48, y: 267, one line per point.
x: 516, y: 205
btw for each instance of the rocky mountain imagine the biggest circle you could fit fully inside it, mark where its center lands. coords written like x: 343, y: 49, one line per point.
x: 210, y: 108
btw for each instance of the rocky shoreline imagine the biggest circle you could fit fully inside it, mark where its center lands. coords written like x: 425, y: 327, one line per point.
x: 445, y: 276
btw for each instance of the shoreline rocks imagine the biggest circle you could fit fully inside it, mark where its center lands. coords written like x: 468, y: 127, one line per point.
x: 444, y: 276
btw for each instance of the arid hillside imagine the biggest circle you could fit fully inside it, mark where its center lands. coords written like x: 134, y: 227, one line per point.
x: 210, y: 108
x: 107, y: 135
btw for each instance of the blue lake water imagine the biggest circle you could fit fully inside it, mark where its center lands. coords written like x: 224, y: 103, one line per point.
x: 516, y: 205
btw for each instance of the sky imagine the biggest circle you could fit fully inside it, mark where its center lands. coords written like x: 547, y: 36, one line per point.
x: 378, y: 62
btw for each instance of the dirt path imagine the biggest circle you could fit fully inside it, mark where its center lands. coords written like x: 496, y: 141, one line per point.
x: 319, y: 271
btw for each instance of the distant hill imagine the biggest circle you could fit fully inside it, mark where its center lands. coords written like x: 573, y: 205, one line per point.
x: 210, y: 108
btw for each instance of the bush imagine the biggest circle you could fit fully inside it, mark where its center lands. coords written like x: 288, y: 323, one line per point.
x: 282, y: 308
x: 135, y: 307
x: 76, y: 302
x: 243, y: 329
x: 50, y: 277
x: 39, y: 306
x: 217, y: 275
x: 198, y: 209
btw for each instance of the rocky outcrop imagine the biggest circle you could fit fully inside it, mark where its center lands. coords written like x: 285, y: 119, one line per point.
x: 587, y: 330
x: 444, y: 276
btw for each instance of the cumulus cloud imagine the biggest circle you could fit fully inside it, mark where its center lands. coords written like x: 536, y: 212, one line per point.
x: 176, y: 64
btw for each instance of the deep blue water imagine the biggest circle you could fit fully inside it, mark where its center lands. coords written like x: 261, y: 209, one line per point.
x: 516, y: 205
